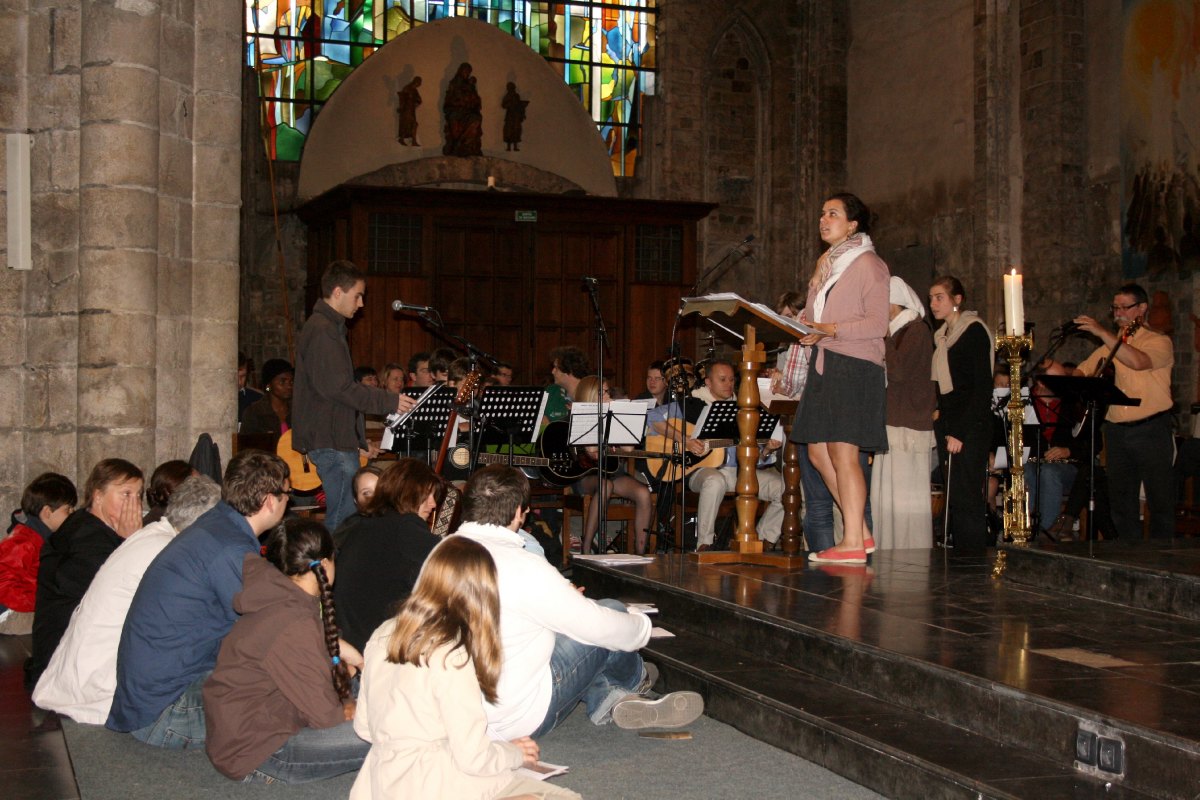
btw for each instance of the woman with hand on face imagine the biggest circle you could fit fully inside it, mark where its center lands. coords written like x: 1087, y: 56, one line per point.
x: 71, y: 557
x: 842, y: 409
x: 962, y: 369
x: 380, y: 560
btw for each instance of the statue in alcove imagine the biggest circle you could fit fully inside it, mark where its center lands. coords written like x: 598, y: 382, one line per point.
x: 514, y: 117
x: 463, y: 111
x: 407, y: 100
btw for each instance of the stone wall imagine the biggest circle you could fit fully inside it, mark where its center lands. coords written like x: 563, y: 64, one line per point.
x: 120, y: 337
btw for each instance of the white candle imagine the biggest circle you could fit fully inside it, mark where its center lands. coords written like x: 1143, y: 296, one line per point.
x: 1014, y: 304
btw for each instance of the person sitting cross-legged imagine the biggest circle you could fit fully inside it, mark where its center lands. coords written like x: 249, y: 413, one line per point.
x: 559, y: 647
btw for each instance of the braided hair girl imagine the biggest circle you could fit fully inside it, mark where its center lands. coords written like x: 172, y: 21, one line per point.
x: 279, y: 705
x: 300, y: 548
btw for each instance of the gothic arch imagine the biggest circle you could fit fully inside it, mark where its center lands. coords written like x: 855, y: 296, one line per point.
x: 736, y: 118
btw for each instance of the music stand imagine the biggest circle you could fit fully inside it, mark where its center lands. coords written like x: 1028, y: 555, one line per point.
x: 507, y: 414
x: 629, y: 416
x: 428, y: 419
x: 719, y: 421
x: 1094, y: 393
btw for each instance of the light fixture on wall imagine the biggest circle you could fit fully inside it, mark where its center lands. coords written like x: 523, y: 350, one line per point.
x: 20, y: 230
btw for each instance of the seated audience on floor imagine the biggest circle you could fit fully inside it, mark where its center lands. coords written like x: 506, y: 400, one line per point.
x: 379, y: 563
x: 364, y: 489
x: 273, y: 413
x: 419, y: 376
x: 278, y: 705
x: 183, y: 607
x: 165, y: 479
x: 247, y: 394
x: 82, y: 675
x: 559, y: 648
x: 427, y: 673
x: 45, y: 504
x: 71, y: 557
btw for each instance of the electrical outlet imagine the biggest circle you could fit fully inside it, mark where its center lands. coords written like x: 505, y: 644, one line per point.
x: 1111, y: 755
x: 1085, y: 747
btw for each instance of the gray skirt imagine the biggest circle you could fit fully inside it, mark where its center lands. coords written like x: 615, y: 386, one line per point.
x: 848, y: 403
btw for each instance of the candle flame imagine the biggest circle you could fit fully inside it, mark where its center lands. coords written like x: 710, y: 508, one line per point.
x: 1014, y: 270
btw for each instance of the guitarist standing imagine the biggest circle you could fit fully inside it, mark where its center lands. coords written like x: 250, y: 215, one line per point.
x: 1138, y: 439
x: 711, y: 484
x: 328, y: 405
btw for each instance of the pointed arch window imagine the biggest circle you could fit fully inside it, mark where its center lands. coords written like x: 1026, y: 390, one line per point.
x: 302, y: 50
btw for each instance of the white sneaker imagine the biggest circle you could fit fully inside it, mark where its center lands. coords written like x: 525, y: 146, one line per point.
x: 672, y: 710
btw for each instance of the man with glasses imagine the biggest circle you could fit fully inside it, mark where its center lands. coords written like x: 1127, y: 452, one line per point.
x: 1137, y: 439
x: 184, y: 606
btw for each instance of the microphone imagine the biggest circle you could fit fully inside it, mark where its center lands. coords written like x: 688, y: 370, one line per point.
x: 589, y: 283
x: 400, y: 305
x: 747, y: 240
x: 1067, y: 328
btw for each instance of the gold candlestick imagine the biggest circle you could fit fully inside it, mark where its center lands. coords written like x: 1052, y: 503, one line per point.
x: 1016, y: 510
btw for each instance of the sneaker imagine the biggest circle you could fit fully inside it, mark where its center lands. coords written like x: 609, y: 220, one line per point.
x: 649, y: 678
x: 673, y: 710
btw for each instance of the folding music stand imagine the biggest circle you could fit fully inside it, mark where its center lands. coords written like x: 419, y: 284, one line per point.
x: 427, y: 420
x: 508, y: 415
x: 719, y: 421
x: 1094, y: 393
x: 624, y: 423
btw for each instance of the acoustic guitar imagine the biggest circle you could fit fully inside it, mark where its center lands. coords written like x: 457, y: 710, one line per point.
x: 303, y: 476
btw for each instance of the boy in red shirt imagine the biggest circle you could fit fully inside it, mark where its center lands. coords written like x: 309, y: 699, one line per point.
x: 46, y: 503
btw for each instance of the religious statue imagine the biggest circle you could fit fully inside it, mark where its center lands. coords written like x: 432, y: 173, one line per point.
x: 514, y: 117
x: 407, y: 100
x: 462, y: 109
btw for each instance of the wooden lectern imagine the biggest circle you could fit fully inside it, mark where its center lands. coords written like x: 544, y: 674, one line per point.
x: 754, y: 325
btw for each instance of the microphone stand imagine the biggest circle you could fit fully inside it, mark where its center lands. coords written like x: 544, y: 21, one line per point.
x: 701, y: 281
x: 602, y: 344
x: 434, y: 319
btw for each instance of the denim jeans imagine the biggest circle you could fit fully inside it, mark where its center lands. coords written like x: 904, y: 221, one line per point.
x: 818, y: 501
x: 336, y: 470
x: 181, y: 724
x: 1046, y: 487
x: 313, y: 754
x: 592, y: 674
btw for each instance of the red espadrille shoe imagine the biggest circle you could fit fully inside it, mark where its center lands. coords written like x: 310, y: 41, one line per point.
x: 869, y: 544
x: 835, y: 556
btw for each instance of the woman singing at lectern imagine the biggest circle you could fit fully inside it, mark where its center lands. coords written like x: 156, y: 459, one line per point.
x: 843, y: 406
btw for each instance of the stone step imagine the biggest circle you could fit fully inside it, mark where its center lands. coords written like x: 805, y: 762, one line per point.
x: 1155, y: 763
x: 891, y: 749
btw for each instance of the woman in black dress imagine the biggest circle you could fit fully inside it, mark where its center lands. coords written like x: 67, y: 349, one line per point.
x: 962, y: 369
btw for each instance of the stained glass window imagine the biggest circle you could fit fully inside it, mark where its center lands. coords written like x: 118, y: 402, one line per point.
x: 303, y: 49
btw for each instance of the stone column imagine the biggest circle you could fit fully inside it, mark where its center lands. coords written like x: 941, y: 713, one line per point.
x: 118, y: 231
x: 1053, y: 143
x: 216, y: 131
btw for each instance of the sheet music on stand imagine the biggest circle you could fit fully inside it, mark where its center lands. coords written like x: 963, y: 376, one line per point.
x: 429, y: 419
x: 515, y: 410
x: 1000, y: 405
x: 628, y: 425
x: 719, y: 421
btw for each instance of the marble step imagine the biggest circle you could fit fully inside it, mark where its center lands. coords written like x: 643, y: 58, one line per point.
x: 889, y: 748
x: 1155, y: 763
x: 1152, y: 576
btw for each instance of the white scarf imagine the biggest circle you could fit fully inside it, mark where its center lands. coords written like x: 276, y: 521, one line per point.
x: 944, y: 338
x: 837, y: 260
x: 901, y: 294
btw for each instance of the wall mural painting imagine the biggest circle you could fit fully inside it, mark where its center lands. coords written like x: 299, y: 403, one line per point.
x: 1160, y: 139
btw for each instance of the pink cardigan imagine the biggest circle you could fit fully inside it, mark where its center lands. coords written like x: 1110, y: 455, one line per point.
x: 858, y: 303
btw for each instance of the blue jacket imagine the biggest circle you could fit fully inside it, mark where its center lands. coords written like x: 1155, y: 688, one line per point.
x: 182, y: 610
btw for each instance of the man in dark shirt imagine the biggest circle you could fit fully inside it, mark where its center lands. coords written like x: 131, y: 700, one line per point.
x: 327, y: 404
x: 183, y: 607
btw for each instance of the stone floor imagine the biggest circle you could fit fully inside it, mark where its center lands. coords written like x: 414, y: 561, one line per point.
x: 34, y: 764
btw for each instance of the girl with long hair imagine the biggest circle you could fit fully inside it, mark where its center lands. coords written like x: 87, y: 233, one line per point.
x: 620, y: 483
x: 427, y: 673
x: 278, y: 705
